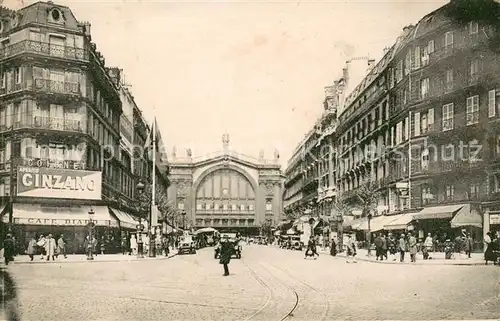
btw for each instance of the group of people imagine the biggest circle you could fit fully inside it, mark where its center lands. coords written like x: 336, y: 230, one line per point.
x: 47, y: 246
x: 130, y: 244
x: 492, y: 252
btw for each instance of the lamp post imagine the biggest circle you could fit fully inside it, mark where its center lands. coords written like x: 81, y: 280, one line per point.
x: 369, y: 217
x: 140, y: 226
x: 90, y: 244
x: 183, y: 213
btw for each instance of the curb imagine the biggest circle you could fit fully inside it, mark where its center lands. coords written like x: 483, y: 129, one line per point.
x: 93, y: 261
x: 361, y: 259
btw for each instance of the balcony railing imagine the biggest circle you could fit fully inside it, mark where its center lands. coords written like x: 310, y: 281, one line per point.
x: 57, y: 87
x: 52, y: 123
x: 44, y: 48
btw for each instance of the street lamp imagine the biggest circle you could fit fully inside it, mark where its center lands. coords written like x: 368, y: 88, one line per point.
x: 90, y: 244
x: 369, y: 217
x: 140, y: 226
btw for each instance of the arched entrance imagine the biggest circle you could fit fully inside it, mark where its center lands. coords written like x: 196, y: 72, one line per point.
x: 226, y: 200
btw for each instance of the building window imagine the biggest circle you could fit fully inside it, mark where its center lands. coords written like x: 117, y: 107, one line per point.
x: 473, y: 110
x: 417, y: 57
x: 234, y: 207
x: 473, y: 71
x: 426, y: 194
x: 474, y: 191
x: 399, y: 71
x: 424, y: 88
x: 17, y: 74
x: 430, y: 47
x: 473, y: 27
x: 447, y: 117
x: 448, y: 40
x: 423, y: 123
x: 242, y: 208
x: 449, y: 80
x: 491, y: 103
x: 449, y: 192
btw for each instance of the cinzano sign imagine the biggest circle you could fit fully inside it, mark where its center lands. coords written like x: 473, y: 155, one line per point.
x: 58, y: 183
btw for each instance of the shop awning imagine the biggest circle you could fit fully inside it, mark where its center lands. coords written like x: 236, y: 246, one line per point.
x: 378, y: 222
x: 400, y: 221
x: 438, y: 212
x: 36, y: 214
x: 359, y: 224
x: 467, y: 217
x: 126, y: 220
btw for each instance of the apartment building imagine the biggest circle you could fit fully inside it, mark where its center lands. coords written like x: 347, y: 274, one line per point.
x: 61, y: 128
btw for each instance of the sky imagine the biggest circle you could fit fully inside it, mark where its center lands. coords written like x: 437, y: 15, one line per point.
x: 256, y: 69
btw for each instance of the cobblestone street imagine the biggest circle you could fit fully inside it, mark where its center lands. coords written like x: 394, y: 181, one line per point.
x: 266, y: 284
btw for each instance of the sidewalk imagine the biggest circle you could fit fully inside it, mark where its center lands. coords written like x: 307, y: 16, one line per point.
x: 437, y: 258
x: 81, y: 258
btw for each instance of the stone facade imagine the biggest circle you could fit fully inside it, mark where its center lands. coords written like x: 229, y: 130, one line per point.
x: 227, y: 190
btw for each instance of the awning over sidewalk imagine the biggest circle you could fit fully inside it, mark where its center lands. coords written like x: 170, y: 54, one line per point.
x: 438, y: 212
x: 359, y: 224
x: 378, y: 222
x: 400, y: 222
x: 36, y: 214
x: 126, y: 220
x: 467, y: 217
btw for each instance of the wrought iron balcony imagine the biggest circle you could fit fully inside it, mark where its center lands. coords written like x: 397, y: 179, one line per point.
x: 57, y: 87
x: 51, y: 123
x: 43, y: 48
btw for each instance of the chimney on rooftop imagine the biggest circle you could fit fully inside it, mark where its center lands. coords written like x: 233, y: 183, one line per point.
x: 115, y: 75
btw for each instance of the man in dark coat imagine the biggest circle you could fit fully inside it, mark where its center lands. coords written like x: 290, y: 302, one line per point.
x: 8, y: 249
x: 226, y: 250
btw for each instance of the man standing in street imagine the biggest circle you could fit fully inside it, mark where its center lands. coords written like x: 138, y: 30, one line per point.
x: 226, y: 251
x: 378, y: 247
x: 468, y: 245
x: 8, y: 249
x: 61, y: 246
x: 402, y: 248
x: 427, y: 248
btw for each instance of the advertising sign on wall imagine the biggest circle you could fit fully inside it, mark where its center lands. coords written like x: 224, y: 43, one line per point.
x: 58, y: 183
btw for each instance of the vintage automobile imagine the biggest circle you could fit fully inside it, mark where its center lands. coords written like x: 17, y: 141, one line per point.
x: 235, y: 242
x: 187, y: 245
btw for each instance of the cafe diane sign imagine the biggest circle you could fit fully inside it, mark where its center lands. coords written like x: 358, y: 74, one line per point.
x: 60, y: 221
x: 59, y: 183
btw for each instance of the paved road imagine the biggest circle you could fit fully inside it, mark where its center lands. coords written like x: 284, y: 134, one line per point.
x: 266, y: 284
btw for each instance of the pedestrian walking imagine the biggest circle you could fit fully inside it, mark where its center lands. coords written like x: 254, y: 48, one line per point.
x: 412, y: 245
x: 41, y: 245
x: 226, y: 251
x: 427, y: 248
x: 468, y: 245
x: 489, y: 255
x: 384, y: 247
x: 391, y: 245
x: 351, y: 249
x: 31, y: 249
x: 50, y: 247
x: 402, y: 248
x: 378, y: 247
x: 333, y: 247
x: 133, y: 244
x: 8, y: 249
x: 61, y: 246
x: 165, y: 243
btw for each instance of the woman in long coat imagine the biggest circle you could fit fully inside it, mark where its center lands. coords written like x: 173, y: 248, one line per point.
x: 31, y: 250
x: 50, y: 247
x: 226, y: 251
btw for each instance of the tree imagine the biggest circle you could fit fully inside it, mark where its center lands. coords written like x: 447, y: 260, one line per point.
x: 365, y: 198
x: 167, y: 210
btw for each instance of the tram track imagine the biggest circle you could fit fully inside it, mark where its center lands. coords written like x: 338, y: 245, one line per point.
x: 289, y: 311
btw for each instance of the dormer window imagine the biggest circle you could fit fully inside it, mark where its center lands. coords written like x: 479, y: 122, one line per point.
x: 56, y: 16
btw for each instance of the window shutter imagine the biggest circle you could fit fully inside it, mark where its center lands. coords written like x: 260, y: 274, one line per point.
x: 406, y: 131
x: 430, y: 118
x: 430, y: 47
x: 399, y: 132
x: 491, y: 103
x: 416, y: 118
x: 417, y: 57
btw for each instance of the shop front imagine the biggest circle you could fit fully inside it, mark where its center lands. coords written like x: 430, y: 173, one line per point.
x: 50, y: 201
x: 33, y: 220
x: 400, y: 223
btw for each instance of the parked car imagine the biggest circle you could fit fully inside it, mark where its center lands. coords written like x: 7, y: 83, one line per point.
x: 187, y: 245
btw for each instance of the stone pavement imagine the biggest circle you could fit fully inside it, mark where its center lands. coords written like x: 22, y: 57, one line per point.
x: 81, y: 258
x: 437, y: 258
x: 264, y: 285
